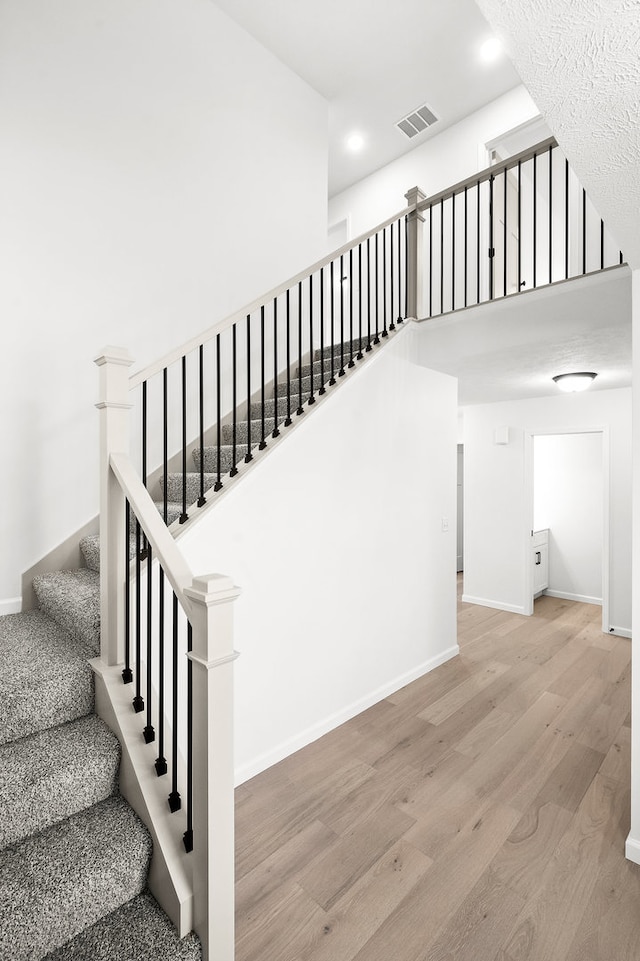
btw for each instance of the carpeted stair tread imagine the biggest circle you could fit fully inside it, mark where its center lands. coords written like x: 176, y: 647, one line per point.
x: 90, y: 547
x: 72, y: 598
x: 174, y: 485
x: 346, y: 347
x: 323, y: 369
x: 318, y: 382
x: 56, y: 883
x: 45, y: 678
x: 226, y: 457
x: 174, y: 509
x: 270, y: 407
x: 242, y: 430
x: 138, y: 931
x: 55, y: 773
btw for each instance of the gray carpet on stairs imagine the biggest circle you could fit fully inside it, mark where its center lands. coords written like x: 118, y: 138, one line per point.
x: 72, y: 598
x: 45, y: 678
x: 56, y: 883
x: 139, y: 931
x: 55, y: 773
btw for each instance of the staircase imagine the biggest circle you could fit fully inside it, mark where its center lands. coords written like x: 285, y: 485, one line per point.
x: 74, y: 856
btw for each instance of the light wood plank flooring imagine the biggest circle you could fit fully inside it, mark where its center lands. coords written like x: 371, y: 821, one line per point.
x: 478, y: 814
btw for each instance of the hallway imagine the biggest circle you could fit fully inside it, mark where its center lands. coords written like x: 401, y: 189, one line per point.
x: 478, y: 814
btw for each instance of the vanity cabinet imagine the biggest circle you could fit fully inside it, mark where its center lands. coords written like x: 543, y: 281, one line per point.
x: 540, y: 548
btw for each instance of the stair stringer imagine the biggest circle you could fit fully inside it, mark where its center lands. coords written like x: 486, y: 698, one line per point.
x: 170, y: 879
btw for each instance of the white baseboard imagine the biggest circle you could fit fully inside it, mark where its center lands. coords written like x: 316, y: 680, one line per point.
x: 632, y: 850
x: 581, y: 598
x: 498, y: 605
x: 620, y: 631
x: 12, y: 605
x: 293, y: 744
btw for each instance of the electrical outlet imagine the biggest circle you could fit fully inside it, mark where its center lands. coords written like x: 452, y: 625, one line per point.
x: 445, y: 524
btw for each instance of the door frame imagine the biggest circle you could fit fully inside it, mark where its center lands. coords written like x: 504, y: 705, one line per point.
x: 528, y: 495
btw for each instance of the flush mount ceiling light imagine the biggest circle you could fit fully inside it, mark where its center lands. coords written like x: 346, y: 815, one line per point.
x: 355, y: 142
x: 574, y: 382
x: 490, y: 50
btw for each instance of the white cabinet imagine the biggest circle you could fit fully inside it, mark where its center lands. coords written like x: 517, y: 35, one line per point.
x: 540, y: 548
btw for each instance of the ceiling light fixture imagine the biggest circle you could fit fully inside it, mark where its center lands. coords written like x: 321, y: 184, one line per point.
x: 490, y: 50
x: 355, y: 142
x: 570, y: 383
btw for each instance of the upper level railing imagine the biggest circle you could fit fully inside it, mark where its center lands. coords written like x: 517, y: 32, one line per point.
x: 522, y: 223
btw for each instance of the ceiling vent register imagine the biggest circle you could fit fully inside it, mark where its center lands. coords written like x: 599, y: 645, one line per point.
x: 417, y: 121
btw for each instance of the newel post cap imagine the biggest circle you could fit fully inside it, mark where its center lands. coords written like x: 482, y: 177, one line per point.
x: 212, y: 589
x: 415, y: 195
x: 114, y: 355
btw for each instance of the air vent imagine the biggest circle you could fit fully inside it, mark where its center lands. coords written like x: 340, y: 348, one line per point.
x: 417, y: 121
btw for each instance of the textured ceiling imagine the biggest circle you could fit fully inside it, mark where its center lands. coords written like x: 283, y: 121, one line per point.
x: 511, y: 350
x: 580, y: 60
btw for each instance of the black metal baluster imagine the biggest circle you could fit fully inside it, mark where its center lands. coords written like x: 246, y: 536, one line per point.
x: 376, y: 339
x: 322, y: 387
x: 399, y: 270
x: 138, y: 702
x: 584, y: 231
x: 442, y: 255
x: 535, y: 217
x: 550, y: 215
x: 249, y: 456
x: 165, y: 446
x: 149, y: 733
x: 300, y: 409
x: 144, y: 433
x: 520, y: 284
x: 385, y: 333
x: 175, y: 802
x: 505, y: 235
x: 187, y: 837
x: 406, y: 268
x: 566, y: 220
x: 127, y: 673
x: 491, y: 247
x: 275, y: 432
x: 466, y: 241
x: 184, y: 516
x: 621, y: 258
x: 352, y: 362
x: 332, y: 379
x: 288, y: 420
x: 312, y: 398
x: 218, y: 484
x: 263, y: 442
x: 368, y: 347
x: 234, y: 427
x: 602, y: 245
x: 392, y: 326
x: 202, y: 499
x: 161, y: 761
x: 478, y: 242
x: 341, y: 372
x: 360, y: 355
x: 453, y: 251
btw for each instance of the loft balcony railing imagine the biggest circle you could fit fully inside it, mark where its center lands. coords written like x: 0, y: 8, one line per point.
x: 175, y: 435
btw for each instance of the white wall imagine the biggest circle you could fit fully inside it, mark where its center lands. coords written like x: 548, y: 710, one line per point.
x: 154, y: 160
x: 440, y: 162
x: 568, y: 499
x: 497, y: 503
x: 348, y: 580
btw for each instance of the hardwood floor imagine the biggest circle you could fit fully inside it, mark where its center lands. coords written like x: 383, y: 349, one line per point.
x: 478, y: 814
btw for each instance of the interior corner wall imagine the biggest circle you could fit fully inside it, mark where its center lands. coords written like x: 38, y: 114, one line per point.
x: 154, y: 162
x: 633, y: 841
x: 336, y: 539
x: 495, y: 493
x: 440, y: 162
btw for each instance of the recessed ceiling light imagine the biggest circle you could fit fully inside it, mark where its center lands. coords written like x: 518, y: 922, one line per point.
x: 355, y: 142
x: 490, y: 50
x: 574, y: 382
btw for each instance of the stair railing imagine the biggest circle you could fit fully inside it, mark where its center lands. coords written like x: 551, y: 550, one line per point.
x: 521, y: 223
x: 182, y: 675
x: 488, y: 237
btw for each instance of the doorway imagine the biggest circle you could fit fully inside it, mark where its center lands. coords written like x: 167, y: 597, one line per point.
x: 569, y: 499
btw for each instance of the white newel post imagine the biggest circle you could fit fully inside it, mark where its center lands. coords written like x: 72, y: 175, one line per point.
x: 114, y: 406
x: 414, y: 255
x: 212, y: 658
